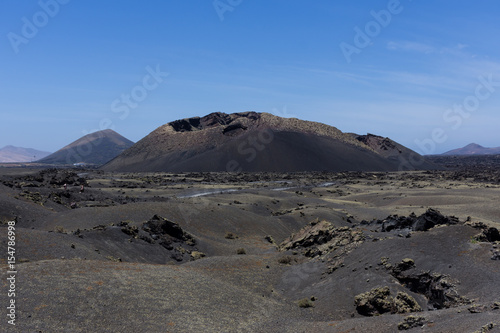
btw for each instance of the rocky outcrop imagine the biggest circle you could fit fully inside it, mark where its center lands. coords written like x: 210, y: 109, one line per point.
x: 424, y: 222
x: 321, y: 237
x: 379, y: 301
x: 166, y: 233
x: 378, y: 143
x: 46, y: 178
x: 159, y: 227
x: 439, y: 289
x: 412, y: 322
x: 490, y: 235
x: 487, y: 235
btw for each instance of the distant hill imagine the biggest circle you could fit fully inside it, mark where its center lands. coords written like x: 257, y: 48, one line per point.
x: 251, y: 141
x: 18, y: 154
x: 95, y: 148
x: 473, y: 149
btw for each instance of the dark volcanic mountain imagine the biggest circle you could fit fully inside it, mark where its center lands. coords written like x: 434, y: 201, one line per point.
x: 473, y: 149
x: 18, y: 154
x: 94, y: 148
x: 252, y: 141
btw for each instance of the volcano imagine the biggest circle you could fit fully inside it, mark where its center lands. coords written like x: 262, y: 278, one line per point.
x: 95, y: 148
x: 257, y: 142
x: 473, y: 149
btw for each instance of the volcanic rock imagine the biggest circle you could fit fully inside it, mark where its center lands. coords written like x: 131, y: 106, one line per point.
x: 439, y: 289
x: 378, y: 301
x: 159, y: 227
x: 489, y: 235
x: 424, y: 222
x: 319, y: 238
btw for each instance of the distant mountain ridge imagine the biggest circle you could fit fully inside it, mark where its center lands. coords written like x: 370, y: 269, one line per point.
x: 94, y: 148
x: 473, y: 149
x: 10, y: 154
x: 256, y: 142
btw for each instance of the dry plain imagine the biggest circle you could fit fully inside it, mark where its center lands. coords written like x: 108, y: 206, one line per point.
x: 253, y: 252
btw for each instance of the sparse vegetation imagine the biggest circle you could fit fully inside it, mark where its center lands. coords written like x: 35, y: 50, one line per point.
x: 270, y: 239
x: 59, y: 229
x: 486, y: 328
x: 404, y: 303
x: 230, y: 235
x: 305, y: 303
x: 36, y: 197
x: 195, y: 255
x: 411, y: 322
x: 285, y: 260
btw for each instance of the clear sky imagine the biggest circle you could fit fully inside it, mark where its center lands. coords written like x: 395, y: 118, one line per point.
x: 424, y: 73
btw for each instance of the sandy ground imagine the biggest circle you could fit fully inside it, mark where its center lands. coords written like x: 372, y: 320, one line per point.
x: 210, y: 261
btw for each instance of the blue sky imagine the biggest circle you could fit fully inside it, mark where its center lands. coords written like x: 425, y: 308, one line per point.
x: 424, y: 73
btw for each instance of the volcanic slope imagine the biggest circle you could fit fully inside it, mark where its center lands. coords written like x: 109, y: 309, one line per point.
x: 473, y: 149
x: 94, y: 148
x: 251, y: 141
x: 395, y: 152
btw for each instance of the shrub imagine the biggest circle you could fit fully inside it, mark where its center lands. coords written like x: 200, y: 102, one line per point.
x: 305, y: 303
x: 59, y: 229
x: 286, y: 260
x: 241, y: 251
x: 195, y: 255
x: 230, y: 235
x: 270, y: 239
x: 411, y: 322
